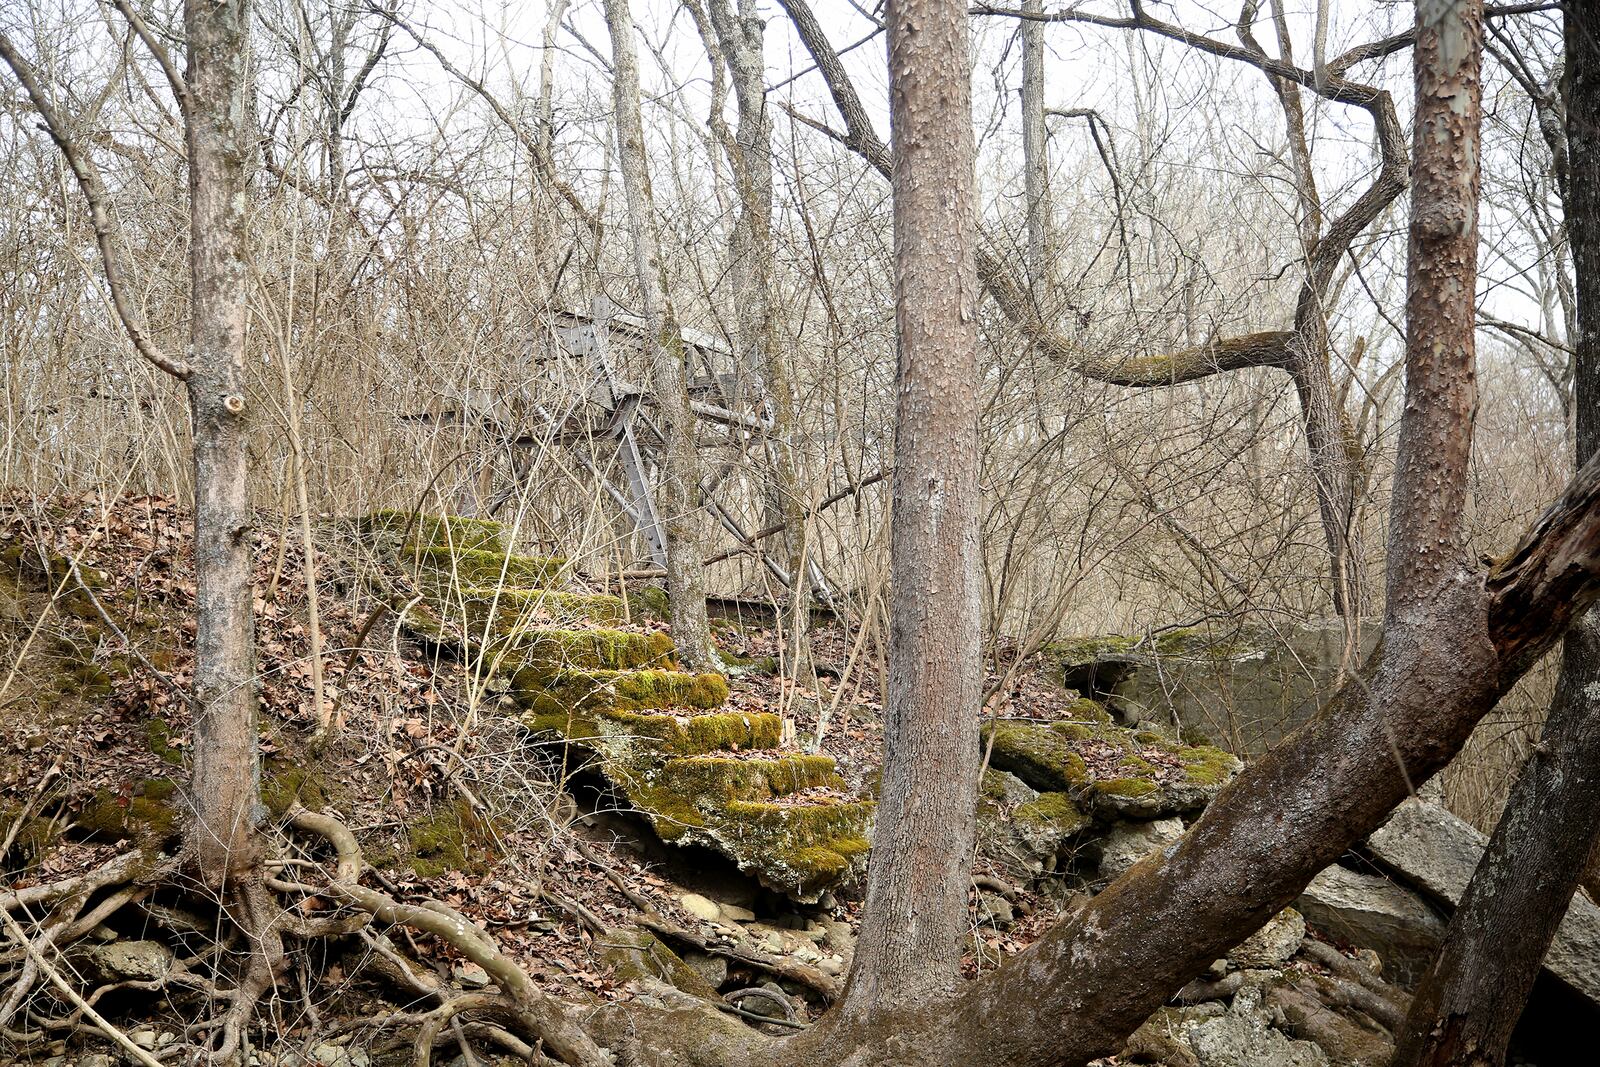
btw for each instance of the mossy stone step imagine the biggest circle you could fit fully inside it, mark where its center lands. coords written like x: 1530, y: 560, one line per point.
x: 799, y: 847
x: 621, y: 739
x: 443, y: 567
x: 532, y: 652
x: 726, y: 778
x: 544, y: 692
x: 512, y: 607
x: 451, y: 531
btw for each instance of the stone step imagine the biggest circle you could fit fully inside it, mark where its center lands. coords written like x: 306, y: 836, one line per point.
x: 532, y: 654
x: 754, y: 776
x: 514, y: 607
x: 544, y: 692
x: 454, y: 531
x: 799, y: 845
x: 632, y: 744
x: 442, y: 568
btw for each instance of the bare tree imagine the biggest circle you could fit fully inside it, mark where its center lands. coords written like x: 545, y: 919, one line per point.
x: 679, y: 491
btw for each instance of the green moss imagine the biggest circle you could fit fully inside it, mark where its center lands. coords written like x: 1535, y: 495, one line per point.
x: 513, y: 607
x: 285, y: 784
x: 1054, y: 810
x: 617, y: 735
x: 160, y: 736
x: 636, y: 954
x: 451, y: 838
x: 1043, y: 758
x: 557, y: 692
x: 798, y: 849
x: 147, y: 813
x: 741, y: 665
x: 719, y: 779
x: 1126, y: 787
x: 447, y: 530
x: 543, y: 652
x: 476, y: 567
x: 1208, y: 766
x: 650, y: 602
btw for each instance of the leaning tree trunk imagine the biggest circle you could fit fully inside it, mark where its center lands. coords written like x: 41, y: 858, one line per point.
x: 908, y: 957
x: 226, y: 783
x: 1470, y: 1000
x: 678, y: 497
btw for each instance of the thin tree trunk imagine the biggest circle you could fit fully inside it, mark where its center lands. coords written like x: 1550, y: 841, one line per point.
x: 1470, y: 1000
x: 678, y: 496
x: 226, y: 783
x: 908, y: 956
x: 1035, y: 153
x: 741, y: 36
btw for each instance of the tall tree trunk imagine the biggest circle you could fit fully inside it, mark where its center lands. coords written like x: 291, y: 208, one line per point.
x: 678, y: 496
x: 1470, y: 1000
x: 226, y: 784
x: 908, y: 956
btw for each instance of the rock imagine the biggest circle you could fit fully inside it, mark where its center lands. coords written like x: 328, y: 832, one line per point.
x: 470, y: 975
x: 1107, y: 771
x: 96, y: 1059
x: 807, y: 954
x: 995, y: 910
x: 833, y: 965
x: 1243, y: 1038
x: 714, y: 969
x: 1433, y: 850
x: 129, y: 961
x: 1163, y: 1037
x: 1373, y: 912
x: 734, y: 913
x: 1127, y: 843
x: 701, y: 907
x: 144, y: 1037
x: 839, y: 936
x: 1247, y: 686
x: 1274, y: 943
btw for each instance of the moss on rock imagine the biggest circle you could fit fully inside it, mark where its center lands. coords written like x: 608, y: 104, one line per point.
x: 451, y: 838
x: 463, y: 568
x: 513, y: 607
x: 635, y: 954
x: 557, y: 692
x: 541, y: 651
x: 454, y: 531
x: 146, y: 813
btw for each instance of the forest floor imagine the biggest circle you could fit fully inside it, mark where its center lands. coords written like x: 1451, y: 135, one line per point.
x: 450, y: 797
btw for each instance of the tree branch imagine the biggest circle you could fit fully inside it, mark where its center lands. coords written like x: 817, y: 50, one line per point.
x: 100, y: 214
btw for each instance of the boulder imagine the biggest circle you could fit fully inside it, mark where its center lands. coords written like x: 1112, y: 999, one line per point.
x: 1108, y: 771
x: 1436, y: 852
x: 1243, y: 686
x: 129, y: 961
x: 1126, y: 843
x: 1022, y: 830
x: 1373, y: 912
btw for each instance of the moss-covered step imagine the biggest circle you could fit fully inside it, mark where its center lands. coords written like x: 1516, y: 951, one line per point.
x: 441, y: 568
x: 1109, y: 771
x: 624, y: 744
x: 536, y: 652
x: 445, y: 530
x: 1023, y: 830
x: 544, y: 692
x: 718, y: 779
x: 506, y: 608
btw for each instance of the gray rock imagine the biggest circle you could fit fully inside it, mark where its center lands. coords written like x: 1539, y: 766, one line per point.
x: 995, y: 910
x: 1244, y: 1037
x: 714, y: 969
x: 1274, y: 943
x: 1373, y: 912
x: 1129, y: 842
x: 129, y: 961
x: 701, y: 907
x: 1433, y: 850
